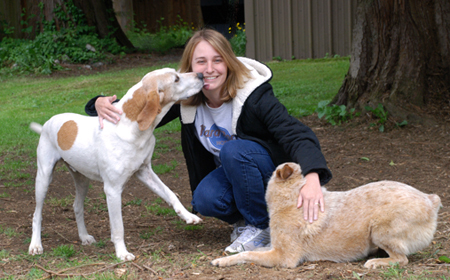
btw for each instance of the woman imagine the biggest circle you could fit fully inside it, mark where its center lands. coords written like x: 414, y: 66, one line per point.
x: 234, y: 134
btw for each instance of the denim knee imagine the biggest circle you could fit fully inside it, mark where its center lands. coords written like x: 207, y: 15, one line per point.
x: 231, y: 150
x: 204, y: 204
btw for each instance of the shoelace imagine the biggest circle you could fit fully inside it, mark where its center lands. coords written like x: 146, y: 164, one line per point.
x: 246, y: 233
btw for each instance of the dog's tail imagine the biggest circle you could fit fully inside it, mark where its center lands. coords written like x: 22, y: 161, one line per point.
x: 36, y: 127
x: 435, y: 200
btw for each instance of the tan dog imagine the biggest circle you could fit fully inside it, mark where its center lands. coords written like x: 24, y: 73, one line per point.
x: 112, y: 154
x: 388, y: 215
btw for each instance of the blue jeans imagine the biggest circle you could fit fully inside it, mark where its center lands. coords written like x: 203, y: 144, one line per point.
x: 236, y: 190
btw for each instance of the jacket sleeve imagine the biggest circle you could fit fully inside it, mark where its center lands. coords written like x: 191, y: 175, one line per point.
x: 90, y: 107
x: 296, y: 139
x: 173, y: 113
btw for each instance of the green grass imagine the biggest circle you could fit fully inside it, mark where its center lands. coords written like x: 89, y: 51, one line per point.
x: 299, y: 84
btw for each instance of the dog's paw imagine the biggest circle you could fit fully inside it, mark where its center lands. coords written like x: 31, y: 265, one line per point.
x: 192, y: 219
x: 375, y: 263
x: 225, y: 261
x: 126, y: 256
x: 35, y: 249
x: 87, y: 240
x: 216, y: 262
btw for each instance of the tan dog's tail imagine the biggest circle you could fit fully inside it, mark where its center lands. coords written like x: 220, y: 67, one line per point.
x: 436, y: 200
x: 36, y: 127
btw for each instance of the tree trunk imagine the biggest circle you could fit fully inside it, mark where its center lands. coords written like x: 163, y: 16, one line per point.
x: 100, y: 13
x: 400, y: 58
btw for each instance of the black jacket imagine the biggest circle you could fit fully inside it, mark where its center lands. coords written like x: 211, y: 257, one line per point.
x: 263, y: 120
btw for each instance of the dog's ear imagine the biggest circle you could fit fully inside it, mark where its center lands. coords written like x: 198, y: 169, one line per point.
x: 285, y: 172
x: 151, y: 109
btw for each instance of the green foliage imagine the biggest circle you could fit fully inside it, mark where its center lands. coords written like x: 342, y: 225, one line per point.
x: 151, y: 232
x: 136, y: 201
x: 4, y: 254
x: 74, y: 42
x: 9, y: 232
x: 155, y: 208
x: 382, y: 115
x: 393, y: 272
x: 239, y: 40
x: 334, y: 114
x: 100, y: 244
x: 165, y: 168
x: 64, y: 251
x: 166, y: 38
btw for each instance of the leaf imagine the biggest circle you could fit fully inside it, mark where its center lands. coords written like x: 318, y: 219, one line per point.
x: 444, y: 259
x: 365, y: 158
x: 392, y: 163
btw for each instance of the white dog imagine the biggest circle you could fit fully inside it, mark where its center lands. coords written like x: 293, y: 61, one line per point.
x: 389, y: 215
x: 112, y: 154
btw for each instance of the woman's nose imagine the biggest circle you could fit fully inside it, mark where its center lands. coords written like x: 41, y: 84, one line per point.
x: 209, y: 67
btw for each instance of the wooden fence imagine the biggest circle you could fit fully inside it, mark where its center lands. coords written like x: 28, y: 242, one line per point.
x: 298, y: 29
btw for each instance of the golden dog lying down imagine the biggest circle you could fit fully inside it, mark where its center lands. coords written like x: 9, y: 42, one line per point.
x: 389, y: 215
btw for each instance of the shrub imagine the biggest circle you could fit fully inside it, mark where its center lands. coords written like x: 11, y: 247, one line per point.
x: 76, y: 42
x: 382, y: 116
x: 334, y: 114
x: 166, y: 38
x: 239, y: 40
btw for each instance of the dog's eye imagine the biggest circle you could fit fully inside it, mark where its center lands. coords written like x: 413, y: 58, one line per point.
x: 177, y: 79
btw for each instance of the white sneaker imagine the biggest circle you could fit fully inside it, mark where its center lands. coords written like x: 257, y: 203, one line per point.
x: 236, y: 230
x: 250, y: 239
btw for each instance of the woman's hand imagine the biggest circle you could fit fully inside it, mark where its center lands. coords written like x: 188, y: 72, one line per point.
x: 311, y: 197
x: 106, y: 110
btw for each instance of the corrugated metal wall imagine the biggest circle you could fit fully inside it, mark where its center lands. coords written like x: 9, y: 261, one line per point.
x: 298, y: 28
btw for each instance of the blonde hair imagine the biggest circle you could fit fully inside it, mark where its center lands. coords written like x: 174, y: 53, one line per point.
x: 237, y: 72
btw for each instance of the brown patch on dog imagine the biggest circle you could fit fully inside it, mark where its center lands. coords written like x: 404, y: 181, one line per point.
x: 134, y: 106
x: 143, y: 108
x: 67, y: 135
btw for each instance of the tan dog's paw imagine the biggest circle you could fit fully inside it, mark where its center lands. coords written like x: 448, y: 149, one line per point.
x: 376, y: 263
x: 220, y: 262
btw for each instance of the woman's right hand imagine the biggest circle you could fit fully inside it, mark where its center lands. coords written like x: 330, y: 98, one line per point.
x: 106, y: 111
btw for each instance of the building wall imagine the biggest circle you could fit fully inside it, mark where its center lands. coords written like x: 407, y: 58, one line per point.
x: 298, y: 29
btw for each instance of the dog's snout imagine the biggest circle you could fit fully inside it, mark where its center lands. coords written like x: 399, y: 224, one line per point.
x: 200, y: 76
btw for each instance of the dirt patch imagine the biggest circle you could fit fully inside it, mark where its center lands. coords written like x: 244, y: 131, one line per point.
x: 356, y: 154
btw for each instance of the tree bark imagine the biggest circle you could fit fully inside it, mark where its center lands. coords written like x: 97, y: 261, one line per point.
x: 400, y: 58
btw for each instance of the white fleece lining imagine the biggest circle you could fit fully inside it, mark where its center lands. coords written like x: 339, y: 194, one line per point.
x: 260, y: 74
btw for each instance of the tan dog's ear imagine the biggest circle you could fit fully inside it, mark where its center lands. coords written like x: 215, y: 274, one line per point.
x: 285, y: 172
x: 151, y: 108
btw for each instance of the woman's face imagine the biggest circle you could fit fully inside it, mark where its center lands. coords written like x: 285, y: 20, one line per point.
x: 209, y: 62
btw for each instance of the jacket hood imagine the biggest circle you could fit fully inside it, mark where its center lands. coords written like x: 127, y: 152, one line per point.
x: 259, y: 72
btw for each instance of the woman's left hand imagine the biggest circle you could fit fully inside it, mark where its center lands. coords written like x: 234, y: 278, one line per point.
x: 311, y: 198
